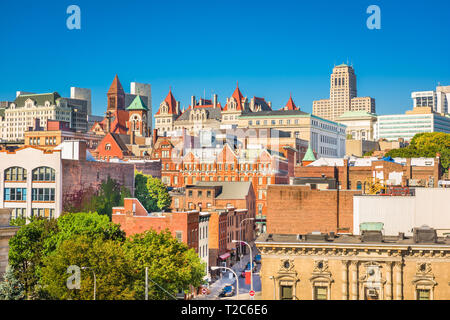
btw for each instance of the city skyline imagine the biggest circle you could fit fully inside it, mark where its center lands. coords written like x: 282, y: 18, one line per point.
x: 289, y: 51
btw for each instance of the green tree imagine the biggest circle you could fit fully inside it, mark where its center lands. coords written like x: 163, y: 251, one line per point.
x: 113, y: 269
x: 27, y: 249
x: 152, y: 193
x: 109, y: 195
x: 19, y: 222
x: 90, y: 224
x: 11, y: 288
x: 171, y: 264
x: 426, y: 145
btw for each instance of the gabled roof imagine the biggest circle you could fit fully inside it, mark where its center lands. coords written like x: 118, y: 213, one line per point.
x: 116, y: 87
x: 237, y: 95
x: 122, y: 140
x: 211, y: 112
x: 137, y: 104
x: 290, y: 105
x: 171, y: 102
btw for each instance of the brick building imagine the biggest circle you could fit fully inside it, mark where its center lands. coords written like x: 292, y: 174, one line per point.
x: 134, y: 218
x: 6, y: 233
x: 295, y: 209
x: 353, y: 173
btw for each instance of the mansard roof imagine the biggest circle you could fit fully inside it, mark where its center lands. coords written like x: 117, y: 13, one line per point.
x: 211, y: 112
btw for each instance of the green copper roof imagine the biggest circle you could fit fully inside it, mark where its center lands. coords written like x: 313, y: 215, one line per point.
x: 38, y: 98
x: 309, y: 155
x: 342, y: 65
x: 137, y: 104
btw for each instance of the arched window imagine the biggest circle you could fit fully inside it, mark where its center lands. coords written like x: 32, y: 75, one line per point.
x: 15, y: 174
x: 108, y: 146
x: 44, y: 174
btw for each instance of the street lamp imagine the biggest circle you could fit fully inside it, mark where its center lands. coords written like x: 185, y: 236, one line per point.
x: 240, y: 237
x: 237, y: 279
x: 251, y: 263
x: 95, y: 280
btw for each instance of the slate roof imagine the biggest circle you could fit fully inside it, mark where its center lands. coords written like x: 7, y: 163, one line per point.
x: 211, y: 113
x: 230, y: 189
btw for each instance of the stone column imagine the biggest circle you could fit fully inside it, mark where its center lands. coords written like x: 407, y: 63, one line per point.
x: 354, y: 280
x: 398, y: 281
x: 388, y: 280
x: 345, y: 280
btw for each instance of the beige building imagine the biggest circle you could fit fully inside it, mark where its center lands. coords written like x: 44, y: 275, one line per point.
x: 343, y: 267
x: 6, y: 233
x: 343, y: 95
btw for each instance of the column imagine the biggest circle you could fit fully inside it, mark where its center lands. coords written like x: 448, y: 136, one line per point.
x: 388, y: 280
x: 354, y: 280
x: 345, y: 280
x: 398, y: 280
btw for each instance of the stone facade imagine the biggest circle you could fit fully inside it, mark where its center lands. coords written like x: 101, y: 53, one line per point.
x: 346, y: 268
x: 6, y: 233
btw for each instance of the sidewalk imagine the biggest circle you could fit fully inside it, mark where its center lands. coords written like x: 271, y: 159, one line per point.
x: 216, y: 287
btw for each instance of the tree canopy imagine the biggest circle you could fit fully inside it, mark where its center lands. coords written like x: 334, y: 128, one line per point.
x: 426, y: 145
x: 152, y: 193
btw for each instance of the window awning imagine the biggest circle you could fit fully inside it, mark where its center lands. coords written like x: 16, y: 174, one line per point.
x: 224, y: 256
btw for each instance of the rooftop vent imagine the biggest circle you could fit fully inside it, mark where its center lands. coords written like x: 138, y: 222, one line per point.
x: 371, y: 236
x: 316, y: 236
x: 424, y: 234
x: 270, y: 237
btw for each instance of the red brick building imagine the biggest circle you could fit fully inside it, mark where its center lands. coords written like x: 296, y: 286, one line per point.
x: 133, y: 218
x: 298, y: 209
x: 354, y: 174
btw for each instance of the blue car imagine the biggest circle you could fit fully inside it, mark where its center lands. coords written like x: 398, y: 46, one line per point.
x: 258, y: 258
x: 227, y: 291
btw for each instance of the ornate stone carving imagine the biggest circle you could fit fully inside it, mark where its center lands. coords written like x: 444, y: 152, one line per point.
x: 286, y: 265
x: 320, y: 266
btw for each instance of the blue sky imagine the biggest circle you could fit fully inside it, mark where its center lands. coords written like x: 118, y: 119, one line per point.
x: 271, y: 47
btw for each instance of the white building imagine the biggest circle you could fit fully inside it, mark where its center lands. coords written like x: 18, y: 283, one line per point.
x: 429, y: 206
x: 438, y: 100
x: 203, y: 240
x: 393, y: 127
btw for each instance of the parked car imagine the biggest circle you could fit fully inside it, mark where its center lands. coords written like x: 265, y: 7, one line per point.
x: 247, y: 267
x: 258, y: 258
x: 227, y: 291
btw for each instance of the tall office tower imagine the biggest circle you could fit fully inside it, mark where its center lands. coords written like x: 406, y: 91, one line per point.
x: 343, y: 95
x: 438, y: 100
x: 82, y: 94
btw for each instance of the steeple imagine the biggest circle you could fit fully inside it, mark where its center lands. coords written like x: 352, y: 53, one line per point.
x: 290, y: 105
x: 116, y: 95
x: 309, y: 156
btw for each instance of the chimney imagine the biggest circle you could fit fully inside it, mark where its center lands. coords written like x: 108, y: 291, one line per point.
x: 108, y: 121
x: 178, y: 107
x: 215, y: 100
x: 154, y: 137
x: 82, y: 150
x: 192, y: 101
x: 132, y: 137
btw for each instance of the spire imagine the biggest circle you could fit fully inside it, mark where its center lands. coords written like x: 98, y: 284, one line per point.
x: 290, y: 105
x: 171, y: 102
x: 309, y: 155
x: 116, y: 87
x: 237, y: 95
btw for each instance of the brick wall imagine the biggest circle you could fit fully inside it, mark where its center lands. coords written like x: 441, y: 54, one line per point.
x: 298, y: 209
x: 81, y: 179
x: 150, y: 168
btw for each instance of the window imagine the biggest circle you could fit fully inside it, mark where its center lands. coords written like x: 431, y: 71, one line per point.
x: 200, y: 193
x: 108, y: 146
x: 18, y: 213
x: 423, y: 294
x: 179, y: 235
x: 15, y: 194
x: 190, y: 193
x: 15, y: 174
x: 43, y: 194
x: 320, y: 293
x: 286, y: 293
x: 44, y: 174
x: 41, y: 212
x: 208, y: 194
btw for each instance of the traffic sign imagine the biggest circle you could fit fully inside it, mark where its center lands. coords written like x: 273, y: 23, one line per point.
x: 204, y: 291
x: 252, y: 293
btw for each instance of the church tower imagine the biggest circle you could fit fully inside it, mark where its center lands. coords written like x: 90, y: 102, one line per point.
x: 138, y: 113
x: 116, y: 96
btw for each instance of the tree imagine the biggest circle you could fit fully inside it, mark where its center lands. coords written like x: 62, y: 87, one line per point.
x: 113, y: 269
x: 171, y: 264
x: 109, y: 195
x: 90, y: 224
x: 11, y: 288
x: 152, y: 193
x: 426, y: 145
x: 26, y: 250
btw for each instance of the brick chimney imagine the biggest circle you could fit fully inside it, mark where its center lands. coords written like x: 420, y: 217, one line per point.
x: 192, y: 101
x: 154, y: 137
x: 215, y: 100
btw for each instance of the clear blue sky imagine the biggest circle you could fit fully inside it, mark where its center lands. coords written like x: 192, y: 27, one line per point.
x: 271, y: 47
